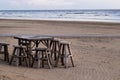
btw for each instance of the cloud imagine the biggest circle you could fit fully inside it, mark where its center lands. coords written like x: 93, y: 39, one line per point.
x: 41, y: 4
x: 59, y: 4
x: 49, y: 2
x: 14, y: 2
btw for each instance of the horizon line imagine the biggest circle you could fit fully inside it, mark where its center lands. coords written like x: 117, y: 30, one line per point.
x: 55, y: 9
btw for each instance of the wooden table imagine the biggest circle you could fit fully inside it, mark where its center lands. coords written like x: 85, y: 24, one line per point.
x: 33, y: 41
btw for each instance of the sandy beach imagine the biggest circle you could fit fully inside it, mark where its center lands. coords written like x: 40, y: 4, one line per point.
x: 94, y: 58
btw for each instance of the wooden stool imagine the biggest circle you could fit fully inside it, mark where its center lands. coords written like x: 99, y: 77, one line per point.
x: 4, y: 50
x: 41, y: 55
x: 20, y: 54
x: 55, y: 48
x: 63, y: 54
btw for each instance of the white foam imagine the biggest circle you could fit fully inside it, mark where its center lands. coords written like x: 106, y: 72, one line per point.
x: 63, y: 19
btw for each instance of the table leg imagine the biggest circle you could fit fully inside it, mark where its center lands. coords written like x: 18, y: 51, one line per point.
x: 19, y: 43
x: 30, y: 52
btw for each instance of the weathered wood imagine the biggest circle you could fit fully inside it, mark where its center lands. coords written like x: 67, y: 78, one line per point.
x: 64, y: 53
x: 55, y: 48
x: 19, y: 53
x: 4, y: 50
x: 41, y: 55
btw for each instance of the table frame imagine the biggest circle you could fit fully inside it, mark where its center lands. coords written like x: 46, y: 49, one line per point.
x: 22, y: 40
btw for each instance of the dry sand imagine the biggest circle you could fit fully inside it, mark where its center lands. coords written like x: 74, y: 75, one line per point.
x: 94, y: 58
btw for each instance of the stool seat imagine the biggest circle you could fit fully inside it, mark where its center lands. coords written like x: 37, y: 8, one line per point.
x: 56, y: 39
x: 3, y: 44
x: 65, y: 42
x: 19, y: 46
x: 42, y: 49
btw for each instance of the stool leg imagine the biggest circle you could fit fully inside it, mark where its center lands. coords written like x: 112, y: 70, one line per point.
x: 65, y: 56
x: 55, y: 45
x: 17, y: 59
x: 13, y: 54
x: 43, y: 58
x: 6, y: 53
x: 0, y: 48
x: 70, y: 56
x: 38, y: 55
x: 62, y: 54
x: 30, y: 58
x: 48, y: 59
x: 19, y: 54
x: 53, y: 49
x: 34, y: 58
x: 59, y: 55
x: 25, y: 57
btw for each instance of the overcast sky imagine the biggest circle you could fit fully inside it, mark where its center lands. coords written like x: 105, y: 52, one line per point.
x: 59, y: 4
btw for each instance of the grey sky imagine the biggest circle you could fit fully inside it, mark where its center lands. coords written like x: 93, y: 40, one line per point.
x: 59, y: 4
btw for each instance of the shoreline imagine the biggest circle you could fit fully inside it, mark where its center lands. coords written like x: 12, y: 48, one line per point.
x: 62, y: 20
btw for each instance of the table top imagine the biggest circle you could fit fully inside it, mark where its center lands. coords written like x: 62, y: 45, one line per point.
x: 33, y: 38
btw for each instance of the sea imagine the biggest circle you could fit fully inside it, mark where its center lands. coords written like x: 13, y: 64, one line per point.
x: 102, y: 15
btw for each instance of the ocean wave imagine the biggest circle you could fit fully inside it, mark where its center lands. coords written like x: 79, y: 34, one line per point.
x: 63, y: 14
